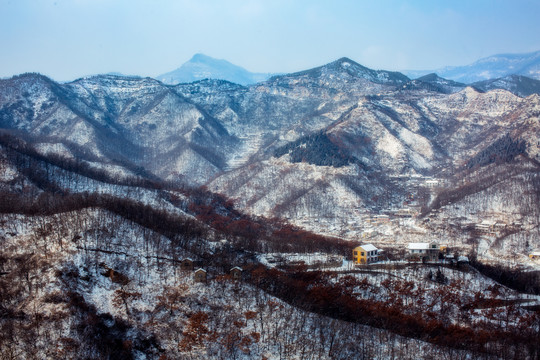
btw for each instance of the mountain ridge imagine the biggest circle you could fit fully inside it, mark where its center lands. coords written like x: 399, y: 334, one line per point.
x: 345, y: 65
x: 520, y: 85
x: 491, y: 67
x: 258, y: 144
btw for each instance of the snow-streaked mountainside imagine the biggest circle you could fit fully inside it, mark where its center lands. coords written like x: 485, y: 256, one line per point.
x: 213, y: 220
x: 327, y: 148
x: 201, y: 67
x: 520, y: 85
x: 492, y: 67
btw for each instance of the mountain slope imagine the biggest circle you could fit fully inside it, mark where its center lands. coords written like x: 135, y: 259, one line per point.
x: 118, y: 120
x: 101, y: 209
x: 201, y: 67
x: 520, y: 85
x: 326, y: 148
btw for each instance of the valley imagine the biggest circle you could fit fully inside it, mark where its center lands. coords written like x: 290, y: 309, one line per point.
x: 109, y: 185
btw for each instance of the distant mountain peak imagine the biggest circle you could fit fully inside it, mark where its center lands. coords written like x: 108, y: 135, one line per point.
x: 345, y: 61
x: 201, y: 57
x: 347, y: 64
x: 436, y: 79
x: 517, y: 84
x: 430, y: 77
x: 491, y: 67
x: 433, y: 82
x: 202, y: 66
x: 205, y: 59
x: 348, y: 67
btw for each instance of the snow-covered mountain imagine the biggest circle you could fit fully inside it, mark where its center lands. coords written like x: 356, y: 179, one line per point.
x: 127, y: 206
x: 492, y: 67
x: 201, y: 67
x: 517, y: 84
x: 520, y: 85
x: 326, y: 148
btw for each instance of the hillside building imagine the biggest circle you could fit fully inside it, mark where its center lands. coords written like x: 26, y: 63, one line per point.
x: 236, y: 273
x: 432, y: 183
x: 186, y: 264
x: 486, y: 227
x: 423, y: 251
x: 200, y: 275
x: 365, y: 254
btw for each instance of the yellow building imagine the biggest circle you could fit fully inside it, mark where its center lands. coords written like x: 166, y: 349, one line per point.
x: 365, y: 254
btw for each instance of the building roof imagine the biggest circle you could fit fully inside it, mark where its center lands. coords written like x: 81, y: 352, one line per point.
x: 419, y: 246
x: 236, y: 268
x: 535, y: 253
x: 488, y: 222
x: 368, y: 247
x: 199, y: 270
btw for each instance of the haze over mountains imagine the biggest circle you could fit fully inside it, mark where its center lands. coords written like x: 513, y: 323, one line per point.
x: 492, y: 67
x: 201, y: 67
x: 518, y: 73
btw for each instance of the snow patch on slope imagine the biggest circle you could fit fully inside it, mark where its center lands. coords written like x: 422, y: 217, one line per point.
x: 390, y: 145
x: 417, y: 143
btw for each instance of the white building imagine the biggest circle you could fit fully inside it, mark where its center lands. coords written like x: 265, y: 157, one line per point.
x: 423, y: 251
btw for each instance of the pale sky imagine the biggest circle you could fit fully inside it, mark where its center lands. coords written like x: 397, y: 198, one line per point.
x: 67, y: 39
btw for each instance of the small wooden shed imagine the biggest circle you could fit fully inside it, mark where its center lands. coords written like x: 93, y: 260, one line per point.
x: 200, y: 275
x: 236, y: 273
x: 186, y: 264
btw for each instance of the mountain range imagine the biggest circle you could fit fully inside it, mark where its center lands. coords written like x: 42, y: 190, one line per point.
x: 326, y: 149
x: 492, y: 67
x: 215, y: 220
x: 517, y: 73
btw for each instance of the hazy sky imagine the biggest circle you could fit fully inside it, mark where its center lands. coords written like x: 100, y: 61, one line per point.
x: 66, y: 39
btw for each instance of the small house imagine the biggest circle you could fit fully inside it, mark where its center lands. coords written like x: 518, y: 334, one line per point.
x: 423, y: 251
x: 186, y: 264
x: 405, y: 212
x: 200, y: 275
x: 432, y: 183
x: 236, y: 273
x: 535, y: 255
x: 365, y: 254
x: 486, y: 227
x: 500, y: 226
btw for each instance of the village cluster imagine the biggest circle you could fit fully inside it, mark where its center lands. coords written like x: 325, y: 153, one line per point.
x: 424, y: 252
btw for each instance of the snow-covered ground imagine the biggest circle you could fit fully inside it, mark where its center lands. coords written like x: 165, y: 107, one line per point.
x: 69, y: 255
